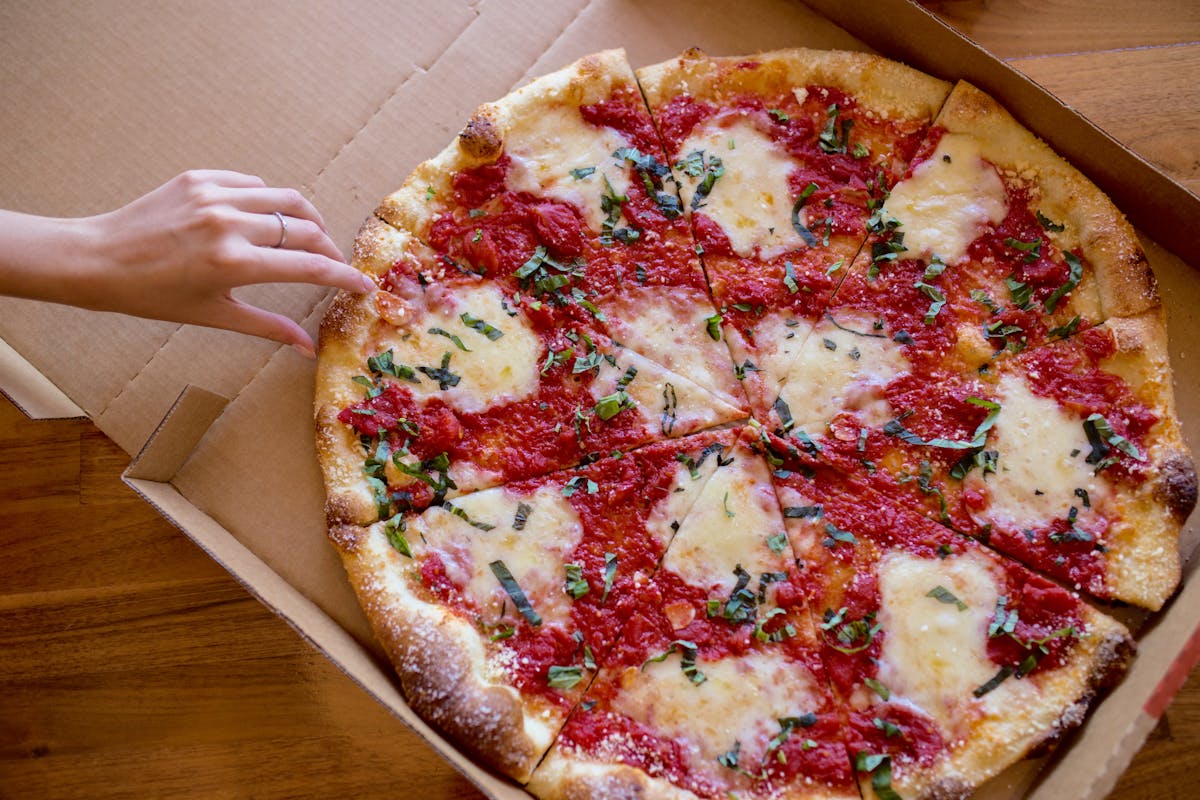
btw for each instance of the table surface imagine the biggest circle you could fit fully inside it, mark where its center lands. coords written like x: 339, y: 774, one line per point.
x: 133, y: 665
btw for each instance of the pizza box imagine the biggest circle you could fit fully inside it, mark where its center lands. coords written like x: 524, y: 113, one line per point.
x: 219, y: 425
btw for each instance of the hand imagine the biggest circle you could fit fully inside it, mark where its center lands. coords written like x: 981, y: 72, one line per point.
x: 176, y: 254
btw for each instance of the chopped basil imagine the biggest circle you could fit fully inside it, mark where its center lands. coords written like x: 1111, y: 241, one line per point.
x: 1066, y: 330
x: 789, y: 277
x: 986, y: 459
x: 383, y: 364
x: 394, y: 530
x: 564, y: 677
x: 778, y: 542
x: 1021, y: 293
x: 835, y: 137
x: 778, y: 114
x: 430, y: 192
x: 804, y: 232
x: 1048, y: 224
x: 785, y: 414
x: 458, y: 512
x: 1000, y: 677
x: 803, y: 512
x: 1032, y: 250
x: 985, y: 300
x: 944, y: 595
x: 452, y: 337
x: 895, y: 428
x: 591, y: 361
x: 575, y: 585
x: 572, y: 486
x: 670, y: 404
x: 610, y: 405
x: 610, y: 573
x: 687, y: 661
x: 652, y: 174
x: 841, y: 327
x: 934, y: 294
x: 852, y: 636
x: 514, y: 591
x: 880, y: 768
x: 579, y: 173
x: 490, y: 331
x: 739, y: 372
x: 786, y: 726
x: 834, y: 535
x: 1100, y: 435
x: 522, y: 516
x: 890, y: 729
x: 830, y: 344
x: 1075, y: 274
x: 730, y: 757
x: 694, y: 165
x: 713, y: 326
x: 725, y: 505
x: 442, y: 375
x: 878, y: 688
x: 903, y: 337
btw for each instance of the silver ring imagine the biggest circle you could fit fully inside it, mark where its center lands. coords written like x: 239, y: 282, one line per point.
x: 282, y: 229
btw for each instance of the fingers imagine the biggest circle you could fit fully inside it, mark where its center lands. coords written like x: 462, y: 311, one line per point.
x: 220, y: 177
x: 268, y: 200
x: 268, y: 265
x: 235, y: 315
x: 266, y: 230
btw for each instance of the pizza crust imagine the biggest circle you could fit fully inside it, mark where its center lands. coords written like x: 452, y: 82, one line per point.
x: 442, y: 663
x: 885, y: 87
x: 485, y: 136
x: 1093, y: 225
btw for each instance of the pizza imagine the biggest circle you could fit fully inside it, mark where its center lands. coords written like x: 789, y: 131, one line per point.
x: 755, y: 427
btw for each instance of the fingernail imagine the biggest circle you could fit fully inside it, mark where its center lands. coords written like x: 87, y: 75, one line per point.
x: 368, y: 284
x: 305, y: 350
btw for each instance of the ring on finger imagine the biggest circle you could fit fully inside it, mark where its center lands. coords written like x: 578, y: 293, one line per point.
x: 282, y: 229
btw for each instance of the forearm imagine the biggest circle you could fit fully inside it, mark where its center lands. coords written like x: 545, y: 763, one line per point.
x: 44, y: 258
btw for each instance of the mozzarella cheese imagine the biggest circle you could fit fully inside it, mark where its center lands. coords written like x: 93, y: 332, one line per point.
x: 752, y: 201
x: 543, y: 149
x: 491, y: 372
x: 668, y: 325
x: 948, y: 200
x: 934, y: 655
x: 733, y: 704
x: 535, y: 555
x: 838, y: 370
x: 1043, y: 460
x: 729, y: 525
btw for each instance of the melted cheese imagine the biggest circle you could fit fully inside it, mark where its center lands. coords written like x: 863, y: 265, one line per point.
x: 668, y: 325
x: 752, y: 201
x: 492, y: 372
x: 667, y: 403
x: 948, y: 200
x: 734, y: 704
x: 729, y: 525
x: 933, y: 654
x: 668, y: 514
x: 543, y: 149
x: 837, y: 370
x: 1037, y: 475
x: 535, y: 555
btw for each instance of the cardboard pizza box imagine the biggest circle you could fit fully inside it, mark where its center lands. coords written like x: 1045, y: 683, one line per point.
x: 219, y: 425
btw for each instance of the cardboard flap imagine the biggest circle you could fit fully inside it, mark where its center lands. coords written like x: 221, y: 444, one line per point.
x: 31, y: 391
x: 906, y: 31
x: 177, y: 435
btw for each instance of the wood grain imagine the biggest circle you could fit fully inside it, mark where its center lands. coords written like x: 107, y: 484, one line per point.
x: 131, y: 665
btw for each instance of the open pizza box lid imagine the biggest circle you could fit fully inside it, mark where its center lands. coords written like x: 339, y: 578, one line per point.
x: 343, y: 107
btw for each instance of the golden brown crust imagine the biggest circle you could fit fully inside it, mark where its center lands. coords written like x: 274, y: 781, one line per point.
x: 440, y: 659
x: 887, y: 88
x: 568, y: 776
x: 1093, y: 225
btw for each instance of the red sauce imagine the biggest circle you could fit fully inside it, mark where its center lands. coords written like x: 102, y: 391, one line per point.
x: 917, y: 744
x: 625, y: 112
x: 1044, y: 612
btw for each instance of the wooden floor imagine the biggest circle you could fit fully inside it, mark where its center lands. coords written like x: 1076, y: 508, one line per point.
x: 132, y: 666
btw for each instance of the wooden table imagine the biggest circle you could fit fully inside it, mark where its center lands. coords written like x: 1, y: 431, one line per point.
x: 133, y: 666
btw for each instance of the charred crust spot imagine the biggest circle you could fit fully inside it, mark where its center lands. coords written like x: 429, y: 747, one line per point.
x: 482, y: 138
x: 1177, y: 485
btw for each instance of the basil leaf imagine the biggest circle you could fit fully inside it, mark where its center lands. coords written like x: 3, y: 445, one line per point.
x: 610, y: 405
x: 713, y: 326
x: 575, y: 585
x: 610, y: 573
x: 804, y: 232
x: 514, y: 591
x: 944, y: 595
x: 452, y: 337
x: 564, y: 677
x: 1000, y: 677
x: 491, y: 332
x: 522, y: 516
x: 1075, y: 274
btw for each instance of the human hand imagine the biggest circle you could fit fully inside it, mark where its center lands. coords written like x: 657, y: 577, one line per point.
x: 177, y: 253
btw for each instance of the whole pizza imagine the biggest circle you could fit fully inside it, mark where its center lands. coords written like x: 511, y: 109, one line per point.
x: 751, y: 427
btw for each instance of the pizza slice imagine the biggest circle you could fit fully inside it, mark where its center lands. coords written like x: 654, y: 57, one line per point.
x: 1007, y: 238
x: 1066, y: 456
x: 497, y: 608
x: 559, y: 194
x: 781, y: 160
x: 435, y: 385
x: 952, y: 662
x: 715, y: 688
